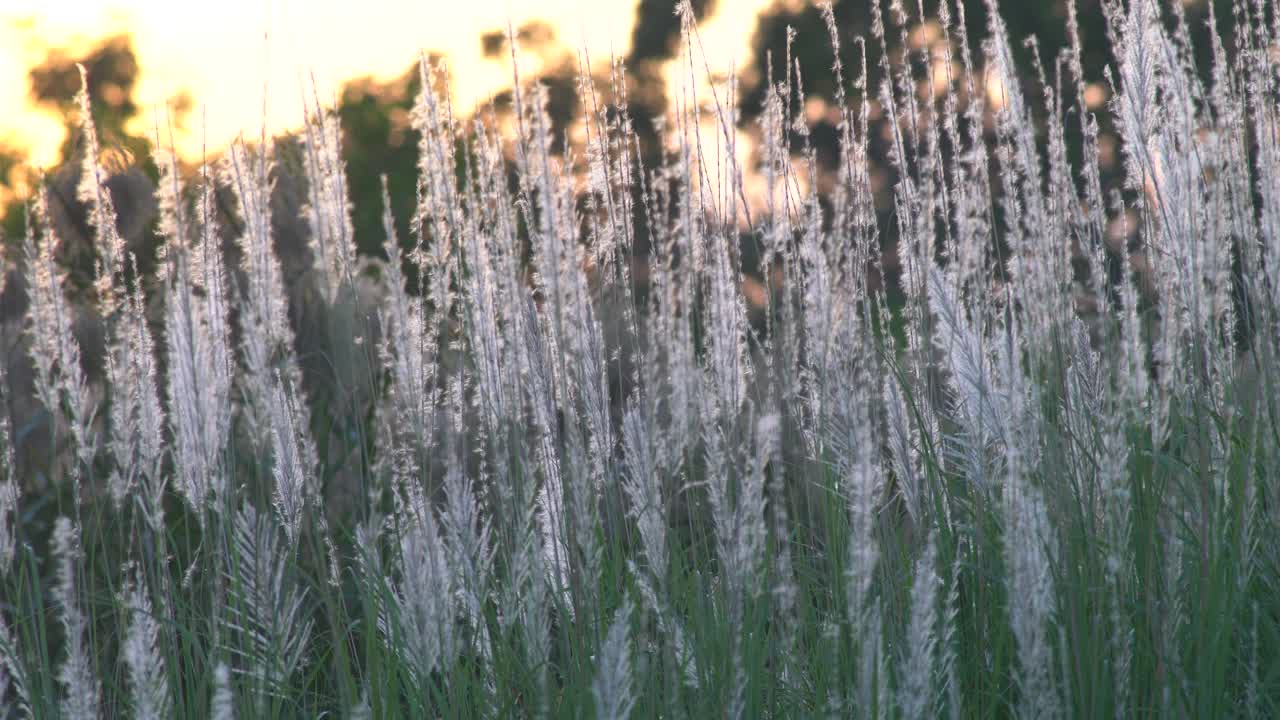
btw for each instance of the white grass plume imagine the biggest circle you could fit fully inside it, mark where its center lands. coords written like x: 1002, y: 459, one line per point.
x: 328, y: 210
x: 642, y: 485
x: 983, y: 412
x: 916, y: 671
x: 198, y: 347
x: 13, y: 671
x: 418, y: 624
x: 267, y: 339
x: 1028, y: 536
x: 92, y: 191
x: 9, y: 488
x: 294, y: 460
x: 137, y: 420
x: 266, y: 613
x: 409, y: 353
x: 60, y: 381
x: 904, y: 447
x: 148, y: 681
x: 612, y: 688
x: 82, y: 698
x: 470, y: 554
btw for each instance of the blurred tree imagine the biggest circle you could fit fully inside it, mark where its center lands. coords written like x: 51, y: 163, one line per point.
x: 657, y: 28
x: 654, y: 40
x: 378, y: 139
x: 113, y: 72
x: 13, y: 172
x: 811, y: 48
x: 1046, y: 21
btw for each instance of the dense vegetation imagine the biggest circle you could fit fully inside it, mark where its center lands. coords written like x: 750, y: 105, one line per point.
x: 626, y: 429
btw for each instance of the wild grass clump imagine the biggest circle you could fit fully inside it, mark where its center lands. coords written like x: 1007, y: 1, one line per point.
x: 566, y: 452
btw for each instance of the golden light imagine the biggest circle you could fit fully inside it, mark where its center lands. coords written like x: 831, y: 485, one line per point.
x: 232, y: 58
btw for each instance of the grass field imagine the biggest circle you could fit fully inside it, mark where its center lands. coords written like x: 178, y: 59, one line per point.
x: 603, y: 439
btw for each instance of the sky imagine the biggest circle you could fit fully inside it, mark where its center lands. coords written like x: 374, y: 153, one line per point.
x: 228, y: 54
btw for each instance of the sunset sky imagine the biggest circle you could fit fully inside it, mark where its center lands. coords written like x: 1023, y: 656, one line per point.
x: 224, y: 54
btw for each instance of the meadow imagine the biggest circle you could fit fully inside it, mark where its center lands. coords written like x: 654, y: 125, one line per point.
x: 620, y: 437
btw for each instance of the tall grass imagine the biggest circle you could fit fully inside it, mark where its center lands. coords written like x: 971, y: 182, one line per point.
x: 613, y: 438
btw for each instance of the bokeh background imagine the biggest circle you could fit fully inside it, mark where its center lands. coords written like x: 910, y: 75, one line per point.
x: 208, y: 72
x: 205, y: 74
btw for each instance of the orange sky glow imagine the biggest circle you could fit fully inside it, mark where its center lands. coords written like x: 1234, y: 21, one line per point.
x: 223, y: 55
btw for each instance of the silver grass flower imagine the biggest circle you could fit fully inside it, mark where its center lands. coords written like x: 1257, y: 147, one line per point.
x: 648, y: 508
x: 60, y: 381
x: 861, y: 478
x: 984, y: 413
x: 409, y: 356
x: 266, y: 608
x: 1039, y: 261
x: 419, y: 624
x: 904, y: 442
x: 1031, y: 598
x: 586, y: 471
x: 487, y: 332
x: 9, y: 487
x: 752, y: 499
x: 328, y: 210
x: 148, y: 682
x: 785, y: 592
x: 949, y: 651
x: 294, y: 461
x: 823, y: 319
x: 198, y: 347
x: 553, y: 523
x: 1095, y: 415
x: 871, y: 691
x: 4, y: 672
x: 13, y: 671
x: 137, y: 421
x: 172, y: 221
x: 92, y: 191
x: 532, y: 583
x: 916, y: 671
x: 438, y: 223
x: 82, y: 694
x: 727, y: 367
x: 642, y: 485
x: 612, y: 687
x: 552, y: 511
x: 470, y: 554
x: 267, y: 340
x: 8, y: 514
x: 735, y: 707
